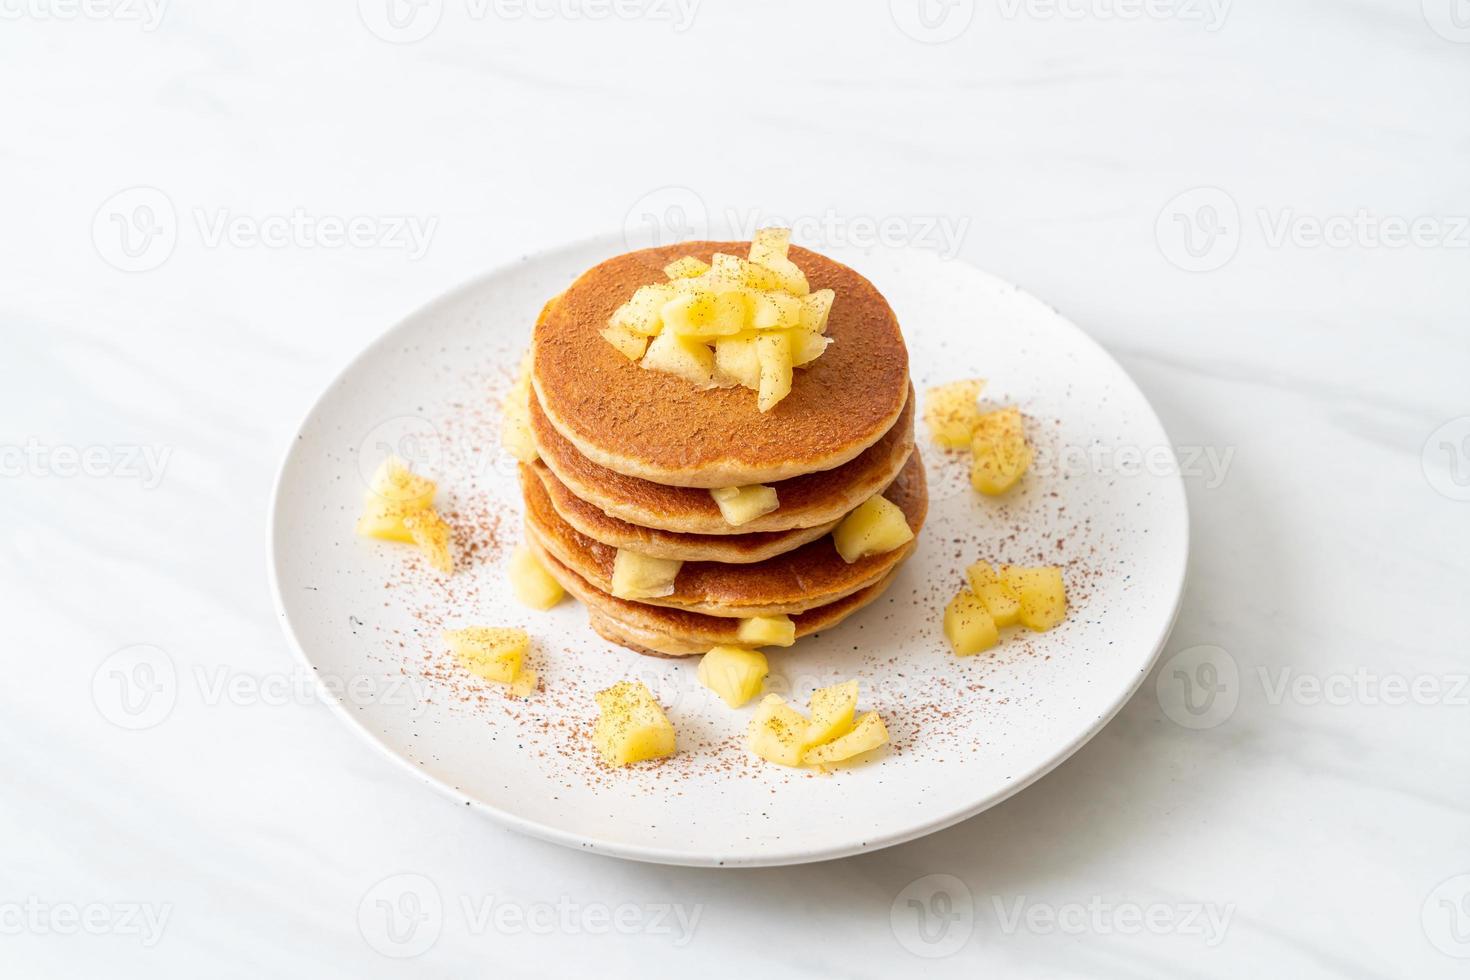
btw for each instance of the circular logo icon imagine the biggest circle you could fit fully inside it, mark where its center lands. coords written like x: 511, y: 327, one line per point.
x: 135, y: 687
x: 401, y: 916
x: 401, y: 21
x: 932, y: 21
x: 1450, y: 19
x: 1199, y: 230
x: 1446, y: 459
x: 933, y: 916
x: 664, y: 217
x: 409, y: 437
x: 1446, y: 917
x: 136, y: 230
x: 1199, y: 687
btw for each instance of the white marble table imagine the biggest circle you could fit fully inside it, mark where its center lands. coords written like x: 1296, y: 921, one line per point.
x: 1259, y: 207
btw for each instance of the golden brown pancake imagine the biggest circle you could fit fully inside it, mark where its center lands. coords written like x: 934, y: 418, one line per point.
x: 815, y: 499
x: 732, y: 549
x: 664, y: 632
x: 659, y: 427
x: 810, y: 576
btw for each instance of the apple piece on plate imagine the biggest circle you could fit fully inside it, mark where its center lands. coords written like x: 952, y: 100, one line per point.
x: 832, y: 711
x: 866, y: 735
x: 1001, y: 453
x: 495, y: 653
x: 968, y: 625
x: 777, y: 732
x: 952, y: 412
x: 734, y: 673
x: 1042, y: 594
x: 631, y: 726
x: 532, y: 584
x: 1003, y: 605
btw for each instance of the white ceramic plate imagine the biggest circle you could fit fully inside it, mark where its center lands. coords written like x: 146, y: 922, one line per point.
x: 1104, y: 500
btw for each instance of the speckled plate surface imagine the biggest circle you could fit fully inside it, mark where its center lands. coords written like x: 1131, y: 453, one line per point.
x: 1104, y: 500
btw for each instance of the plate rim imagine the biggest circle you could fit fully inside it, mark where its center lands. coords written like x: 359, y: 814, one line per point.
x: 664, y: 855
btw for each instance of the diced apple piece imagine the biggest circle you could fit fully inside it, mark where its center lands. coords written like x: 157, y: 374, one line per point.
x: 384, y: 520
x: 741, y: 505
x: 866, y: 735
x: 431, y: 536
x: 815, y: 310
x: 734, y: 673
x: 396, y: 483
x: 641, y: 313
x: 689, y: 359
x: 1001, y: 453
x: 770, y: 243
x: 952, y: 412
x: 774, y: 352
x: 703, y: 314
x: 832, y: 711
x: 531, y: 582
x: 735, y: 271
x: 631, y: 345
x: 494, y: 653
x: 767, y: 631
x: 638, y: 576
x: 737, y: 360
x: 776, y: 311
x: 1042, y: 593
x: 686, y: 268
x: 631, y: 727
x: 515, y: 422
x: 1003, y: 605
x: 968, y: 625
x: 777, y: 732
x: 876, y: 527
x: 525, y: 683
x: 793, y: 280
x: 807, y: 346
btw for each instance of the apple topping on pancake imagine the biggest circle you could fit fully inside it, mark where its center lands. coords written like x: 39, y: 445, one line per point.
x: 732, y: 321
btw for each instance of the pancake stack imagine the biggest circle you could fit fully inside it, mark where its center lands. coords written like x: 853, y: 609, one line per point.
x: 626, y: 458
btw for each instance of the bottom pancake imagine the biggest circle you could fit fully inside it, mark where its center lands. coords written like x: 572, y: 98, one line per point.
x: 664, y: 632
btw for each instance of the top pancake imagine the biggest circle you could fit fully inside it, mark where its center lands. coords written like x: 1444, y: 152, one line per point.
x: 659, y: 427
